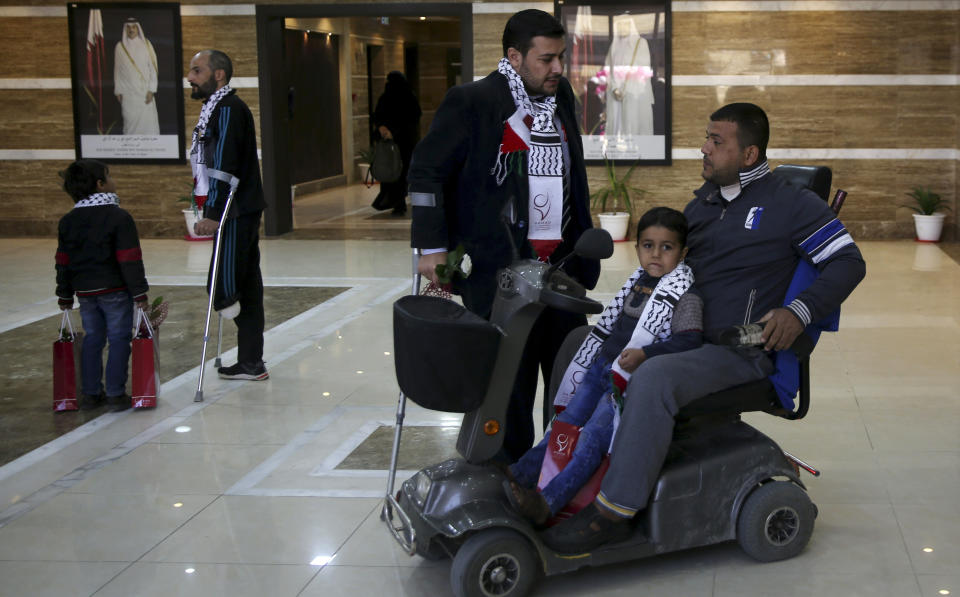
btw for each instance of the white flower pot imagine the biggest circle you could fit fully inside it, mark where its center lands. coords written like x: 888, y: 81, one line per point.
x: 191, y: 219
x: 616, y: 224
x: 928, y: 227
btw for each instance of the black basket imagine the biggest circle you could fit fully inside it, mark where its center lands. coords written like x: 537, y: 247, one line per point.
x: 443, y: 353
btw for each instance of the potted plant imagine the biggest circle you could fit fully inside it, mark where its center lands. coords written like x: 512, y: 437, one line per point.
x: 618, y: 192
x: 191, y: 215
x: 366, y: 158
x: 928, y: 221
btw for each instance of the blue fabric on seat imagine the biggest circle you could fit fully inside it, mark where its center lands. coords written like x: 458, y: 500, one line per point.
x: 786, y: 374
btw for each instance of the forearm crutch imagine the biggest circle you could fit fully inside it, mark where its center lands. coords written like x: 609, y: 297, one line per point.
x: 233, y: 181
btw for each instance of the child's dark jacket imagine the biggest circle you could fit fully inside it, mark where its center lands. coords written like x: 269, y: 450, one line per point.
x: 98, y: 251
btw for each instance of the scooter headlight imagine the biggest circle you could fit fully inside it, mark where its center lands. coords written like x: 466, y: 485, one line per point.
x: 422, y: 484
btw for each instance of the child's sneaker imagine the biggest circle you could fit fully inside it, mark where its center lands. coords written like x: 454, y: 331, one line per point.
x: 255, y: 372
x: 119, y: 403
x: 88, y: 402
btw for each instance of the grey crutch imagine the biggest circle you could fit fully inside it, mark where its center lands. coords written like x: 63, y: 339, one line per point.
x: 233, y: 181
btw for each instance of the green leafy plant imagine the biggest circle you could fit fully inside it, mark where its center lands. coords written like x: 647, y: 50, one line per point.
x: 927, y: 202
x: 366, y: 155
x: 618, y: 191
x: 189, y: 198
x: 458, y: 264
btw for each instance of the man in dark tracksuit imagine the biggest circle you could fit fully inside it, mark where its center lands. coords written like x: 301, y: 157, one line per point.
x: 224, y: 152
x: 748, y: 231
x: 471, y: 164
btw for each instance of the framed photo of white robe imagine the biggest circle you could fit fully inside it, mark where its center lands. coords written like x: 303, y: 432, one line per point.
x: 618, y: 62
x: 127, y: 80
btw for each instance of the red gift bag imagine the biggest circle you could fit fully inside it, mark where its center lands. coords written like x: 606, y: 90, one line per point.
x: 66, y: 351
x: 563, y: 441
x: 145, y: 385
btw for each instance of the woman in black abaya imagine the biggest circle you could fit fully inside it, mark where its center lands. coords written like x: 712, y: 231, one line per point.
x: 397, y: 117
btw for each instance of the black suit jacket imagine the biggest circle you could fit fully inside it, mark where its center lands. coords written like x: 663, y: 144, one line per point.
x: 453, y: 166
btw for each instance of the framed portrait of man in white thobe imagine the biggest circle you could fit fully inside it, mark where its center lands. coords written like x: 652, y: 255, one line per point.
x: 127, y: 80
x: 618, y: 62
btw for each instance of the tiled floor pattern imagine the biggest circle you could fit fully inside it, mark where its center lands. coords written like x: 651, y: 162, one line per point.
x: 272, y: 488
x: 26, y: 383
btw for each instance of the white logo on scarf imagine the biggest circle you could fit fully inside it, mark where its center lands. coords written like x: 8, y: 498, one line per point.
x: 544, y: 160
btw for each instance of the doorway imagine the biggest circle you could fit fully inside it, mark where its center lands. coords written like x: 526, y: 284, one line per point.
x: 278, y: 102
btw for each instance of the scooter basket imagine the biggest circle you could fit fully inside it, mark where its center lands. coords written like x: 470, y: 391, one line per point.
x: 443, y: 353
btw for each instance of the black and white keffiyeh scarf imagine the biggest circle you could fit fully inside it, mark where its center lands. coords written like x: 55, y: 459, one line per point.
x: 654, y: 325
x: 98, y: 199
x: 535, y: 125
x: 197, y: 154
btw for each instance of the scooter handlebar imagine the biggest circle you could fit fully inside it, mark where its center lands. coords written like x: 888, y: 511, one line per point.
x: 565, y: 302
x: 564, y: 293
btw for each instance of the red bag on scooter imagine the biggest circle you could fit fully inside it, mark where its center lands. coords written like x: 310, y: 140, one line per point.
x: 145, y: 383
x: 563, y: 441
x: 66, y: 354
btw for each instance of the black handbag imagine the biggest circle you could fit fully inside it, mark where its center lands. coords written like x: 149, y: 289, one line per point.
x: 387, y: 164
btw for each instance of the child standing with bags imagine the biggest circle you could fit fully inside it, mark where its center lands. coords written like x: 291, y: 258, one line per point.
x: 98, y: 259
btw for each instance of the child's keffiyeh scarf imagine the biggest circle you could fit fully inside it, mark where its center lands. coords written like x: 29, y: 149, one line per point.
x: 98, y: 199
x: 201, y: 182
x: 653, y: 326
x: 532, y: 128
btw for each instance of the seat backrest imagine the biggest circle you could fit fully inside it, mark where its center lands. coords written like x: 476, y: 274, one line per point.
x: 815, y: 178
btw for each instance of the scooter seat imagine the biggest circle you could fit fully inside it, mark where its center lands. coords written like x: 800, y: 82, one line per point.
x: 749, y: 397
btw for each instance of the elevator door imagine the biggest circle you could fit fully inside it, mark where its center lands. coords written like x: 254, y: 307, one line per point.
x: 311, y: 65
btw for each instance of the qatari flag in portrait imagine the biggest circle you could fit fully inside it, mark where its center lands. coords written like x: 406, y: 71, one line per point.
x: 95, y: 63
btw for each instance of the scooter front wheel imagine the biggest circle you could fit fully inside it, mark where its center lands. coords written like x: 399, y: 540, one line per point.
x: 494, y: 563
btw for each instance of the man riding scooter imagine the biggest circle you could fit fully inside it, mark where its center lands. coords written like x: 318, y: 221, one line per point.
x: 748, y: 231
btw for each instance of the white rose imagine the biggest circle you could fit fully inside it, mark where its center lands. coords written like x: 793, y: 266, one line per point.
x: 466, y: 265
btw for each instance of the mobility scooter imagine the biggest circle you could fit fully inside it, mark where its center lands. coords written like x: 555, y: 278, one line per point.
x: 722, y: 480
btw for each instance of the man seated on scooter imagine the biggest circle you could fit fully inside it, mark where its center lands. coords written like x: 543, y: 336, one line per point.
x: 748, y: 231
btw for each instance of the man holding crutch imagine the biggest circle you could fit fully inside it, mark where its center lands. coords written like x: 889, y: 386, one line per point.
x: 224, y: 148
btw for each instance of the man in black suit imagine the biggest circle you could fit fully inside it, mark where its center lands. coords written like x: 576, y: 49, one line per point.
x: 510, y: 138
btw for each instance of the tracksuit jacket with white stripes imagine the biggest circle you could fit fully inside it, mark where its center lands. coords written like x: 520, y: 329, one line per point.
x: 744, y: 252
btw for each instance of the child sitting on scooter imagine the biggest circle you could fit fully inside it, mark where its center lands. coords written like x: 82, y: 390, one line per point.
x: 656, y: 312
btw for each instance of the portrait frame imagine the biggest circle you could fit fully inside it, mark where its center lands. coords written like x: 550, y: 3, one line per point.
x: 618, y: 63
x: 117, y: 73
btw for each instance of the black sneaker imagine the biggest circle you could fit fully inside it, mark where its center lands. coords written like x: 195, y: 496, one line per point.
x: 255, y: 372
x: 118, y: 403
x: 88, y: 402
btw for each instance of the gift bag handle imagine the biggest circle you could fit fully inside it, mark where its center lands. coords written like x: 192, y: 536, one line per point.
x: 66, y: 323
x: 142, y: 316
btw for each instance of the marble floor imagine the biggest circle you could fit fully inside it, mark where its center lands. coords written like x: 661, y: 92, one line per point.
x: 273, y: 488
x: 344, y: 213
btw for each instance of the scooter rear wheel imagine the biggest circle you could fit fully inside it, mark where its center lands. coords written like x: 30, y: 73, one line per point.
x: 776, y: 521
x: 494, y: 563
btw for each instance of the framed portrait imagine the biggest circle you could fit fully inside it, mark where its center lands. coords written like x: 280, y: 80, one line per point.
x: 127, y: 79
x: 618, y: 62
